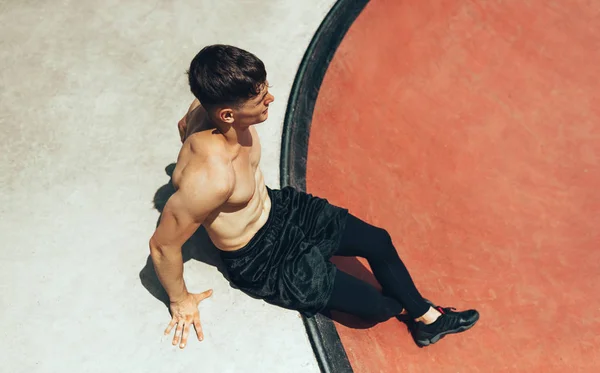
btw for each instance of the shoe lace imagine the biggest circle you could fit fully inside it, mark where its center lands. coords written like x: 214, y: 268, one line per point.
x: 445, y: 310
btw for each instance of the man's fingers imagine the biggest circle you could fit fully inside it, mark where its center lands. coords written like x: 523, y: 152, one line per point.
x: 178, y: 332
x: 170, y: 326
x: 198, y: 328
x: 186, y: 331
x: 203, y: 295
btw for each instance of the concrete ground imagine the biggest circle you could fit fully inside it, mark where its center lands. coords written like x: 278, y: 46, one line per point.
x: 90, y: 94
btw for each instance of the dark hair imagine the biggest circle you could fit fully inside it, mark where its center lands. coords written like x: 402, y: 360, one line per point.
x: 223, y: 74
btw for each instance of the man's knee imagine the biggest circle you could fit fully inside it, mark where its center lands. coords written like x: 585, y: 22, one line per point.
x: 385, y: 235
x: 383, y: 244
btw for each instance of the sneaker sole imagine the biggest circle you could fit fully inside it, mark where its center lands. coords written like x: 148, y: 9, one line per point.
x: 427, y: 342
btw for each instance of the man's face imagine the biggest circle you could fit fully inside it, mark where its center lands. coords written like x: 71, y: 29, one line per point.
x: 256, y: 109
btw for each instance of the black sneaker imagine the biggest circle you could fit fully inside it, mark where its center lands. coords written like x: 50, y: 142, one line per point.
x: 448, y: 323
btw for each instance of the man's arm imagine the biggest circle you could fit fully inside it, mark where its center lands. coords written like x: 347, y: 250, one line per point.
x: 200, y: 193
x: 182, y: 124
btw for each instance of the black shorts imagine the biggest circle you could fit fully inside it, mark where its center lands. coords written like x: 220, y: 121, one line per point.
x: 287, y: 262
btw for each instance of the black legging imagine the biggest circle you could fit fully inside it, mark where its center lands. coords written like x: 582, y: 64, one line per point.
x: 356, y: 297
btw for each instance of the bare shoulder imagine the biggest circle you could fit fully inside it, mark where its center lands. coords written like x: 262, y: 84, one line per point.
x: 203, y: 169
x: 203, y: 188
x: 200, y: 146
x: 211, y: 172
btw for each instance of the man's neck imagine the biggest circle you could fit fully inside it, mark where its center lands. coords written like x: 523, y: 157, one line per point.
x: 234, y: 135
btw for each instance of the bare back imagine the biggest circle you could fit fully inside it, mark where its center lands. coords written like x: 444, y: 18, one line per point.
x: 234, y: 223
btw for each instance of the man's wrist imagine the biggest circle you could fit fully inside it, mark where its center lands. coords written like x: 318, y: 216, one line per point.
x: 179, y: 298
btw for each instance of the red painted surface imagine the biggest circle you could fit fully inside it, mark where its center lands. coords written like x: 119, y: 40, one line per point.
x: 471, y: 131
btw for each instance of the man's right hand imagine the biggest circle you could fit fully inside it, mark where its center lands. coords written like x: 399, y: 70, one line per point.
x: 185, y: 314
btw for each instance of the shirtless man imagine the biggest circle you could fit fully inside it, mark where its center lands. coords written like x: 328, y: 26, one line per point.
x: 275, y: 244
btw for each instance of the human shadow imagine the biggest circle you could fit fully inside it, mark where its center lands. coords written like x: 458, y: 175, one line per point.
x: 199, y: 247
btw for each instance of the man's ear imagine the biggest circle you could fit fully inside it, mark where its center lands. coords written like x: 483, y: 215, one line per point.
x: 226, y: 115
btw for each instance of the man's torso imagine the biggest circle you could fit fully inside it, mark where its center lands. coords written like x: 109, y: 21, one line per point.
x: 231, y: 226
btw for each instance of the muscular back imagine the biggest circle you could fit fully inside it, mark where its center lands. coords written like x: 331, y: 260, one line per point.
x: 207, y: 164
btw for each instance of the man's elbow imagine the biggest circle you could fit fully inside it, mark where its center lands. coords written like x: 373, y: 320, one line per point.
x: 155, y: 247
x: 160, y: 251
